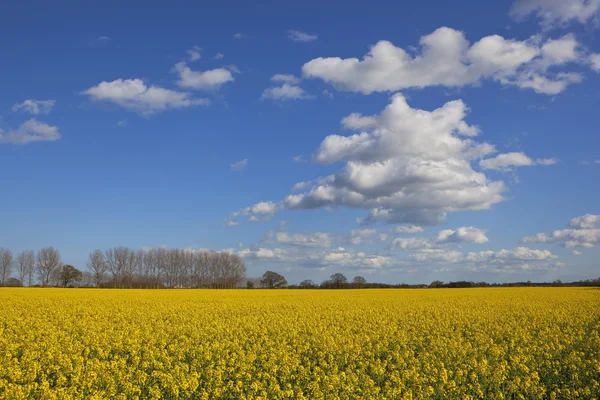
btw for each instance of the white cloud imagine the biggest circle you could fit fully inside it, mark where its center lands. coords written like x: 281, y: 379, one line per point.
x: 412, y: 167
x: 239, y: 35
x: 135, y: 95
x: 407, y: 229
x: 284, y: 92
x: 583, y: 231
x: 35, y: 107
x: 413, y: 243
x: 300, y: 158
x: 520, y: 259
x: 556, y: 12
x: 438, y: 255
x: 505, y: 162
x: 194, y: 53
x: 300, y: 185
x: 298, y: 36
x: 359, y: 236
x: 576, y: 252
x: 594, y: 60
x: 288, y: 78
x: 587, y: 221
x: 262, y: 254
x: 264, y: 209
x: 122, y: 123
x: 240, y: 165
x: 29, y: 132
x: 202, y: 80
x: 447, y: 59
x: 317, y: 239
x: 357, y: 121
x: 464, y: 234
x: 338, y: 258
x: 219, y: 56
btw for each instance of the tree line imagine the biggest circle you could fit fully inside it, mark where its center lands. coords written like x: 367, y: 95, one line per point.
x: 122, y: 267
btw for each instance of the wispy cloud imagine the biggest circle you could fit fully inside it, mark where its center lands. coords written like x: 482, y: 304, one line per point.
x: 239, y: 166
x: 298, y: 36
x: 35, y: 107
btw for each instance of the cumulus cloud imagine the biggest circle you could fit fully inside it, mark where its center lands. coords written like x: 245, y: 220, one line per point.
x: 35, y: 107
x: 505, y: 162
x: 287, y: 91
x: 135, y: 95
x: 262, y: 209
x: 317, y: 239
x: 413, y: 166
x: 239, y: 166
x: 406, y: 166
x: 202, y: 80
x: 441, y: 249
x: 520, y: 259
x: 556, y: 12
x: 464, y: 234
x: 29, y: 132
x: 357, y: 121
x: 446, y: 58
x: 298, y: 36
x: 263, y: 254
x: 194, y: 53
x: 239, y: 35
x: 583, y: 231
x: 413, y: 243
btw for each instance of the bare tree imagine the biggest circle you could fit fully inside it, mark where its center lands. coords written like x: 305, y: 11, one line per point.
x: 121, y: 263
x: 97, y: 266
x: 6, y: 264
x: 25, y: 265
x: 48, y: 261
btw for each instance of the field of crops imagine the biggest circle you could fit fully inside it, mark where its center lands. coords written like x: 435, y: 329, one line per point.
x: 534, y: 343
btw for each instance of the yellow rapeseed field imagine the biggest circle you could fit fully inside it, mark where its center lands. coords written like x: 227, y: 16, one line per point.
x: 525, y: 343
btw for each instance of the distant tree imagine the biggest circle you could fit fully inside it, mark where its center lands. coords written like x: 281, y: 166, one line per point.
x: 436, y: 284
x: 326, y: 284
x: 25, y: 266
x: 48, y: 261
x: 13, y: 282
x: 97, y: 266
x: 249, y: 284
x: 87, y: 279
x: 6, y: 264
x: 70, y: 274
x: 358, y: 281
x: 307, y: 284
x: 273, y: 280
x: 338, y: 280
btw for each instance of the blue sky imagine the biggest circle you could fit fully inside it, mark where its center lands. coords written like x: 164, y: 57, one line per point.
x: 428, y: 141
